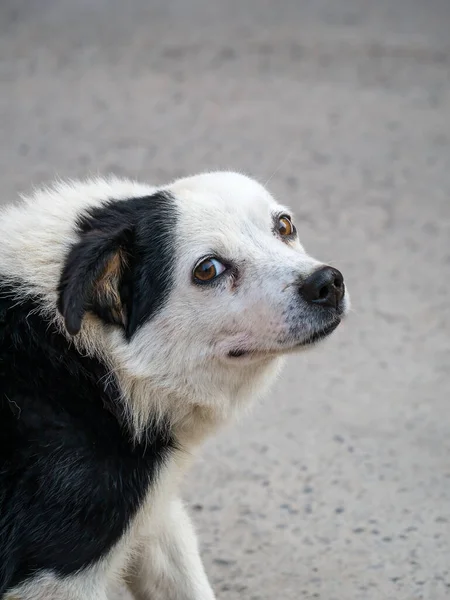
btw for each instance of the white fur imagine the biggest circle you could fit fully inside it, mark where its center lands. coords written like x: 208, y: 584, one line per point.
x: 177, y: 365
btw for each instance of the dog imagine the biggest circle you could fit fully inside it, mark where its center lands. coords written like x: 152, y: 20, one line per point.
x: 134, y: 321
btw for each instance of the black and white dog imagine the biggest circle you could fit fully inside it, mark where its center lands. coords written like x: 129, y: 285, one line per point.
x: 133, y: 321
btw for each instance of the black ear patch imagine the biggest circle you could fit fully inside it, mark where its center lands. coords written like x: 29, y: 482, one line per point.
x: 121, y: 269
x: 92, y: 278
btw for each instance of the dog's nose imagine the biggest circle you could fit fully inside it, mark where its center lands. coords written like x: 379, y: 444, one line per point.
x: 325, y: 287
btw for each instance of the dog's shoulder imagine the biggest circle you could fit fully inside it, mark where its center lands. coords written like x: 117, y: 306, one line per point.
x: 71, y: 476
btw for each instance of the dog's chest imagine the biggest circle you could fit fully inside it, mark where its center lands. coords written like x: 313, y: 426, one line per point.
x: 151, y: 517
x: 91, y: 481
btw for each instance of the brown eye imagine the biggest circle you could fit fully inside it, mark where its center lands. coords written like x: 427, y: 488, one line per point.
x: 208, y: 269
x: 285, y: 226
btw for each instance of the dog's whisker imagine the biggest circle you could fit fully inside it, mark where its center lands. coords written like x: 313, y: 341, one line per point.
x: 282, y: 162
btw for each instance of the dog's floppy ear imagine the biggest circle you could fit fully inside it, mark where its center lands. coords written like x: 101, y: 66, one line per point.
x: 93, y: 276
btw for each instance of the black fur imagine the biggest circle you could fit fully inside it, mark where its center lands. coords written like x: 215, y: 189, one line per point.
x: 142, y: 230
x: 71, y: 478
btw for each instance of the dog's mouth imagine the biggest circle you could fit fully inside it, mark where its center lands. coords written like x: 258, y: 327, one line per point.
x: 320, y: 335
x: 315, y: 337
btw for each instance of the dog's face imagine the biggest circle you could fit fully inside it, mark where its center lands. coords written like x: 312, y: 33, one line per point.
x: 240, y: 271
x: 211, y: 288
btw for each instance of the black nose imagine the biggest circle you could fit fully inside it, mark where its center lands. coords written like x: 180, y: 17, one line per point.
x: 325, y: 287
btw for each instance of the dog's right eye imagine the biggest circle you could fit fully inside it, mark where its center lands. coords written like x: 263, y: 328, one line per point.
x: 285, y: 226
x: 208, y: 269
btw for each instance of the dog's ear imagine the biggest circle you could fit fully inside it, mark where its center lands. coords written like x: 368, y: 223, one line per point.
x: 93, y: 278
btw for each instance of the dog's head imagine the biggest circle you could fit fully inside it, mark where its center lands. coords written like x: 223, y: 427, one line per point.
x: 200, y: 286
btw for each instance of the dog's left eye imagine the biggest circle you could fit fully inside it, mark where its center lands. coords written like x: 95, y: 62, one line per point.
x: 285, y: 226
x: 208, y: 269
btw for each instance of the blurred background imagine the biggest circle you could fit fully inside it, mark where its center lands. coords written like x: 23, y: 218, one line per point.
x: 338, y: 485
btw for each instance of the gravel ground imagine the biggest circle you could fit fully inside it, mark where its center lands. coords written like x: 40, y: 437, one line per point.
x: 338, y: 485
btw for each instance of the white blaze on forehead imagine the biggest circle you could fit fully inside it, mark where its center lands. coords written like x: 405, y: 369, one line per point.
x: 221, y: 212
x: 238, y: 193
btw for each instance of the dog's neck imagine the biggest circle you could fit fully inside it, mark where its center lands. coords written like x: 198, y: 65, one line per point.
x: 188, y: 422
